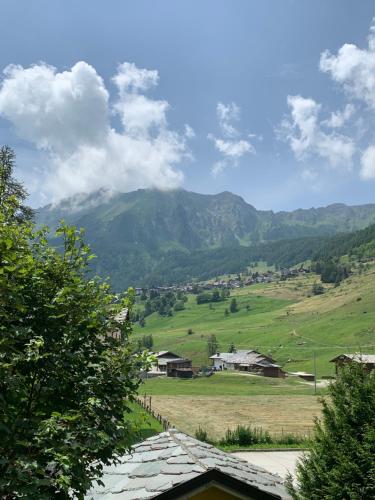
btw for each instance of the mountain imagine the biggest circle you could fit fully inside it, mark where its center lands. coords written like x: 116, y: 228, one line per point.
x: 150, y: 236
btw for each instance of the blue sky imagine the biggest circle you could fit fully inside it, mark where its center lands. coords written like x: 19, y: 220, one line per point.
x: 124, y: 95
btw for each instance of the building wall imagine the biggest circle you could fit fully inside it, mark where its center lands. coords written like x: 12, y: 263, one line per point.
x: 219, y: 364
x: 214, y: 493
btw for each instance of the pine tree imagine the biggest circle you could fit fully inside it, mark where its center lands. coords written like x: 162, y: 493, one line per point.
x: 341, y: 461
x: 233, y: 306
x: 12, y: 192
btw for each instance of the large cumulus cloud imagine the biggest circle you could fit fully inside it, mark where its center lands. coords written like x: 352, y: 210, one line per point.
x: 68, y: 115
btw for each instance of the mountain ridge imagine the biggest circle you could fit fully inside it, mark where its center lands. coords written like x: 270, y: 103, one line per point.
x: 132, y: 233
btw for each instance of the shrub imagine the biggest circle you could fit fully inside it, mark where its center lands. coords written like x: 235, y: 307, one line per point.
x: 246, y: 435
x: 202, y: 435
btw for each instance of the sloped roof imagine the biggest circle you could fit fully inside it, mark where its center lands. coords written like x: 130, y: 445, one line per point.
x: 360, y: 358
x: 170, y: 460
x: 163, y: 353
x: 243, y: 357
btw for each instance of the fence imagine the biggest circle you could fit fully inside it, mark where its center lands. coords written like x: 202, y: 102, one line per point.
x: 145, y: 402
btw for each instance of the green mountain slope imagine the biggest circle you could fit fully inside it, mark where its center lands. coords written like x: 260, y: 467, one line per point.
x: 152, y: 237
x: 282, y: 319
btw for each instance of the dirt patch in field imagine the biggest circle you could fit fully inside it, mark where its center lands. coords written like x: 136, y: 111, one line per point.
x: 276, y: 414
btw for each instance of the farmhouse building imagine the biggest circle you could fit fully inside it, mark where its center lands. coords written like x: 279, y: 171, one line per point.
x: 173, y: 465
x: 162, y: 358
x: 367, y: 360
x: 247, y: 361
x: 180, y: 368
x: 172, y: 365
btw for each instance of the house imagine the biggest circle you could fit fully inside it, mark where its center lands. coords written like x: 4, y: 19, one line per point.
x: 173, y: 465
x: 162, y: 358
x: 367, y: 360
x: 172, y: 365
x: 248, y: 361
x: 180, y: 368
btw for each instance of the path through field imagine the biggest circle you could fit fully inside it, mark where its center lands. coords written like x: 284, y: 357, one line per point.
x: 277, y: 414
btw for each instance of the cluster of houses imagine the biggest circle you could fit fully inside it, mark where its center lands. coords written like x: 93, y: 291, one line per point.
x: 253, y: 279
x: 172, y: 365
x: 247, y: 361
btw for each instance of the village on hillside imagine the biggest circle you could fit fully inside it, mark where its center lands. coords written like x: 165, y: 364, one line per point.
x: 253, y: 278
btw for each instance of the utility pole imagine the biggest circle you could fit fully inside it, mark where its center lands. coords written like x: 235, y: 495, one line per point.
x: 314, y: 373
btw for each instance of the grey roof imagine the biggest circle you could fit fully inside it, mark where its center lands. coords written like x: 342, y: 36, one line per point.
x: 360, y: 358
x: 163, y: 353
x: 243, y: 357
x: 172, y: 458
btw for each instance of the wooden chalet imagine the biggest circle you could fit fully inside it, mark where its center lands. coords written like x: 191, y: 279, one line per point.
x: 367, y: 360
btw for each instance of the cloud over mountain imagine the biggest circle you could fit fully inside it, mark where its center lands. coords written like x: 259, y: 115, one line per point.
x: 68, y: 115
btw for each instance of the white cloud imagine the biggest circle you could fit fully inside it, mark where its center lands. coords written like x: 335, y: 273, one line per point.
x: 368, y: 163
x: 339, y: 118
x: 304, y: 133
x: 218, y: 167
x: 226, y: 115
x: 232, y: 147
x: 130, y: 78
x: 354, y: 69
x: 189, y: 132
x: 67, y: 114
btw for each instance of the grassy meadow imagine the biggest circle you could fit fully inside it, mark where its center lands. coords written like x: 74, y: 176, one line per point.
x: 283, y: 320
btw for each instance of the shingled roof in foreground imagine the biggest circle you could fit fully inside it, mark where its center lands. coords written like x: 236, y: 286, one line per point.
x: 172, y: 464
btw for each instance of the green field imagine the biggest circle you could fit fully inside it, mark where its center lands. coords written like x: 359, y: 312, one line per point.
x: 282, y: 321
x: 228, y: 384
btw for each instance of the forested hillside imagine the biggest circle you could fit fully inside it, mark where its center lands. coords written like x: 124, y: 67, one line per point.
x: 152, y: 237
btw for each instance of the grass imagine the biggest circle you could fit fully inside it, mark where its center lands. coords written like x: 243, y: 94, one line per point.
x: 227, y: 384
x: 282, y: 321
x: 143, y: 424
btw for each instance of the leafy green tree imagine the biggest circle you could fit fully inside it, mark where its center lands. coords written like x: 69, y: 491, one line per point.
x: 233, y: 306
x: 204, y: 298
x: 216, y: 296
x: 340, y: 463
x: 66, y: 369
x: 212, y: 345
x: 179, y: 305
x: 226, y: 312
